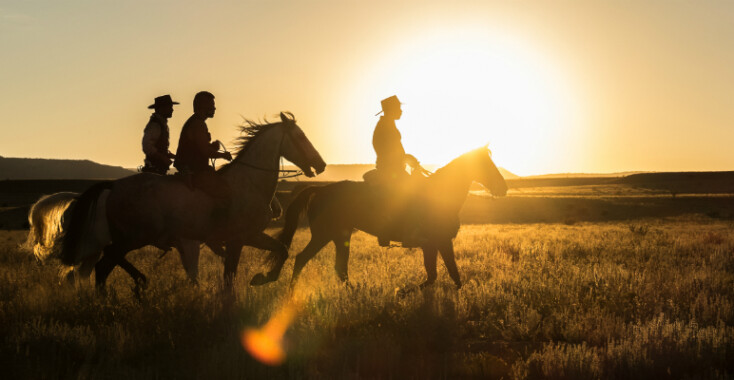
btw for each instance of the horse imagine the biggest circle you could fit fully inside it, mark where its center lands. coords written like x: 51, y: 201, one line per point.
x: 47, y: 218
x: 336, y: 210
x: 148, y: 209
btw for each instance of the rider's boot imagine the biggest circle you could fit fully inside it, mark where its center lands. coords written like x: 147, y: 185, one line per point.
x: 383, y: 236
x: 413, y: 233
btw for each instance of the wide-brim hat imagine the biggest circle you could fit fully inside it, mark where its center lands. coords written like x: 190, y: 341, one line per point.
x: 391, y: 101
x: 163, y: 100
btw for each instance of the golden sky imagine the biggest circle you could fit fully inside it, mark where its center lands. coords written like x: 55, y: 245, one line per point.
x: 552, y: 86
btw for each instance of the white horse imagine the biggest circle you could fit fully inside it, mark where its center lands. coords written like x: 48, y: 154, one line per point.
x: 48, y: 220
x: 148, y: 209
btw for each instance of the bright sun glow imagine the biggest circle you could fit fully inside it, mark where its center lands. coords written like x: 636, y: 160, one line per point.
x: 463, y: 89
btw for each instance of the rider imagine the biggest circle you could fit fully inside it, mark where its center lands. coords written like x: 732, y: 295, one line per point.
x: 156, y: 137
x: 195, y: 148
x: 391, y: 158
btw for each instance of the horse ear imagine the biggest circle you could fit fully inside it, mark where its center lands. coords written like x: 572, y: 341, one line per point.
x: 486, y: 147
x: 283, y: 118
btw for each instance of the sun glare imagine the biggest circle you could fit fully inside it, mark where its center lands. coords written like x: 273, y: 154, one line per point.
x: 463, y: 89
x: 265, y: 344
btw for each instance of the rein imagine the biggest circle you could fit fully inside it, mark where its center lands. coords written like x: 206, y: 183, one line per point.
x: 287, y: 173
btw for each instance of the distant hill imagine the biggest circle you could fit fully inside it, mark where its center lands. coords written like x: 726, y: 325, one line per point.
x: 683, y: 182
x: 672, y: 182
x: 353, y: 172
x: 39, y: 168
x: 582, y: 175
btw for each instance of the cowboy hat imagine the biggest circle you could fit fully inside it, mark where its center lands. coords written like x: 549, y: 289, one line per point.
x: 164, y: 100
x: 388, y: 103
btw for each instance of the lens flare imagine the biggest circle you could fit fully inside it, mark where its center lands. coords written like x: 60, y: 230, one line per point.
x: 266, y: 343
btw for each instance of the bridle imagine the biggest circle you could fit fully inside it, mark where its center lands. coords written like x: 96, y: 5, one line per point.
x: 286, y: 173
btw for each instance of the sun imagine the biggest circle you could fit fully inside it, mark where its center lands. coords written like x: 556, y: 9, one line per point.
x: 463, y: 89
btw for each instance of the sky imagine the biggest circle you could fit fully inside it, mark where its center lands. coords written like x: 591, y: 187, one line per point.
x: 551, y: 86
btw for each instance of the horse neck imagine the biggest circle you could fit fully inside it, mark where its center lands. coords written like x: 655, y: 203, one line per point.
x: 256, y: 169
x: 452, y: 182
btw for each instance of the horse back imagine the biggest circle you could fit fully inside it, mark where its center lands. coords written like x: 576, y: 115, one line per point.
x: 366, y: 206
x: 145, y: 207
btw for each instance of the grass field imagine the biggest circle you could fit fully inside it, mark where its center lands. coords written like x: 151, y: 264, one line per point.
x: 628, y: 297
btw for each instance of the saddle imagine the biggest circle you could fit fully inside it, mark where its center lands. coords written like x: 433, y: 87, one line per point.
x: 398, y: 198
x: 207, y: 181
x: 150, y: 168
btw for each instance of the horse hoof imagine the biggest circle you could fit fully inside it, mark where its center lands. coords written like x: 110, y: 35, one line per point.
x: 259, y: 279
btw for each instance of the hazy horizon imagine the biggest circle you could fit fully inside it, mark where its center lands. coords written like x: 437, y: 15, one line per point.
x: 334, y: 172
x: 562, y: 87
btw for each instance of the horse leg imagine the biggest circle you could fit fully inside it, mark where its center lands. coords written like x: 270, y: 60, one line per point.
x: 67, y: 274
x: 447, y: 253
x: 278, y: 256
x: 217, y: 248
x: 112, y: 255
x: 342, y: 257
x: 430, y: 254
x: 313, y: 247
x: 85, y: 270
x: 189, y: 252
x: 141, y: 282
x: 231, y: 261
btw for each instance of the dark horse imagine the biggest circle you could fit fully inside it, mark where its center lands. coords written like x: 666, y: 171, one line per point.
x: 148, y: 209
x: 335, y: 210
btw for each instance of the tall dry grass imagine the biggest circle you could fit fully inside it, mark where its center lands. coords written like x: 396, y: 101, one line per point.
x: 643, y: 299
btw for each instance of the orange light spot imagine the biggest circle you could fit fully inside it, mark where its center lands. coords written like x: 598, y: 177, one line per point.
x: 263, y: 347
x: 266, y: 344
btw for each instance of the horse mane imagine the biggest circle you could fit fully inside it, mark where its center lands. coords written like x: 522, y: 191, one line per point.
x: 456, y: 160
x: 249, y: 131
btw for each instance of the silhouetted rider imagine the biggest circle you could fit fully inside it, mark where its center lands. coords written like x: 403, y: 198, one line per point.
x: 386, y: 140
x: 195, y: 148
x: 156, y: 137
x: 391, y: 176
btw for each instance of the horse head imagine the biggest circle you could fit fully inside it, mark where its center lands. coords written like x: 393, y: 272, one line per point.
x: 486, y: 172
x: 297, y: 148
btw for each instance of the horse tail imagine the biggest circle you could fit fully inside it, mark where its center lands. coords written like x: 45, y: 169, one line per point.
x: 293, y: 214
x: 46, y: 219
x: 79, y: 235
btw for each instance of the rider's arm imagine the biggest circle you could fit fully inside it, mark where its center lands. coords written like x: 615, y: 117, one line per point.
x: 202, y: 140
x: 204, y: 145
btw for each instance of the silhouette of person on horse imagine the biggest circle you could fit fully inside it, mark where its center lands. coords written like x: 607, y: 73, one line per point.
x: 156, y: 137
x: 396, y: 189
x: 196, y: 148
